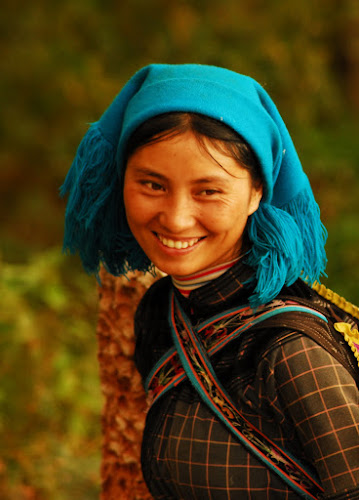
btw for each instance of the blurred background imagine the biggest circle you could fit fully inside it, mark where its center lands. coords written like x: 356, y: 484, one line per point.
x: 61, y: 64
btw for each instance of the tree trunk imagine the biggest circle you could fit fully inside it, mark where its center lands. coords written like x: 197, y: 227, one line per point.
x: 124, y: 398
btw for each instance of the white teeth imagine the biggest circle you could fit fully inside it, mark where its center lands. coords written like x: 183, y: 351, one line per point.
x: 179, y: 245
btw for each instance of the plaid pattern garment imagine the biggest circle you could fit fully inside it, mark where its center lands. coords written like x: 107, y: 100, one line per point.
x: 291, y: 389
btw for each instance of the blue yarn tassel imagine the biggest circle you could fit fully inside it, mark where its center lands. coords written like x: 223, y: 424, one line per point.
x: 306, y: 213
x: 95, y: 223
x: 287, y: 243
x: 89, y: 184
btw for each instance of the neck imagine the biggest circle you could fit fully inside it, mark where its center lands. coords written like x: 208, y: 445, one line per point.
x: 185, y: 284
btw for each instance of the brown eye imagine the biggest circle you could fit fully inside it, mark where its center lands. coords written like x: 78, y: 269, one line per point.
x: 209, y: 192
x: 153, y: 186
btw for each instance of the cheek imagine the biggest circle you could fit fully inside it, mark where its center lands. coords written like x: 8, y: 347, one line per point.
x: 229, y: 221
x: 129, y: 195
x: 131, y: 203
x: 225, y: 223
x: 138, y: 209
x: 226, y: 214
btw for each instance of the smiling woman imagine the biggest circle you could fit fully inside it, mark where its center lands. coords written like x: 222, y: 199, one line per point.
x: 251, y: 392
x: 186, y: 213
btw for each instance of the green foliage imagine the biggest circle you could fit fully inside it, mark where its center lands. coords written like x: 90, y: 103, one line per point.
x: 49, y: 396
x: 330, y: 156
x: 62, y: 63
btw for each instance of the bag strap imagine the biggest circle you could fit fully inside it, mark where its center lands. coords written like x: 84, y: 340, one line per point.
x: 330, y: 336
x: 344, y: 317
x: 336, y: 299
x: 219, y: 331
x: 201, y: 374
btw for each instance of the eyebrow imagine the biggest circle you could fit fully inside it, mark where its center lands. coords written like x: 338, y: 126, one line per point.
x: 212, y: 179
x: 203, y: 180
x: 149, y: 172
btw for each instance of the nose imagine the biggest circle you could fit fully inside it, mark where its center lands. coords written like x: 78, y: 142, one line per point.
x: 178, y: 214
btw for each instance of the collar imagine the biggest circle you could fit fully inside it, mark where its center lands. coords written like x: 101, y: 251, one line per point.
x: 226, y: 290
x: 187, y: 284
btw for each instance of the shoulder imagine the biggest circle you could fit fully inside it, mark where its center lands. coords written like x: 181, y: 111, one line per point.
x: 151, y: 326
x: 299, y: 361
x: 154, y: 302
x: 318, y: 324
x: 311, y: 389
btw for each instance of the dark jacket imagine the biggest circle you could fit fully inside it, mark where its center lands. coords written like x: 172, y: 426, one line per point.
x: 283, y: 381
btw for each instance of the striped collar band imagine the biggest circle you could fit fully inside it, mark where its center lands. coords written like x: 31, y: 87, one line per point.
x: 188, y: 283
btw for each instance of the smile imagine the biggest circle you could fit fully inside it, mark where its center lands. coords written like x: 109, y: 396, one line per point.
x: 177, y: 244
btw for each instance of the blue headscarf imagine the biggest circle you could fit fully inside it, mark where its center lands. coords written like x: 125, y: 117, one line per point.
x: 286, y: 233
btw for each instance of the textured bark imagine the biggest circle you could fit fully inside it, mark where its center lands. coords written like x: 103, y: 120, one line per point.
x: 125, y: 406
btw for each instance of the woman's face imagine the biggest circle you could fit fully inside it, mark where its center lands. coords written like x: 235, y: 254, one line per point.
x: 185, y: 211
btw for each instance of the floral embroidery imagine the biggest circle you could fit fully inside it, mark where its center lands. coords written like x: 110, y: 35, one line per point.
x: 211, y: 336
x: 194, y: 358
x: 215, y: 334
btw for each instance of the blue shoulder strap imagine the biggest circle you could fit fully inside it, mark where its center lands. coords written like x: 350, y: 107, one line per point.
x: 198, y: 368
x: 216, y: 333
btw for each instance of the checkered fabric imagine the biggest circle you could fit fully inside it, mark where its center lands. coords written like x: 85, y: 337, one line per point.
x: 291, y: 389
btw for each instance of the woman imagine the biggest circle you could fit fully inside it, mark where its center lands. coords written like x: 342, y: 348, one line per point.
x: 192, y: 170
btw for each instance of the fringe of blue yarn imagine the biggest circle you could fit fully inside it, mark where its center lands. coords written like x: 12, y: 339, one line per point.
x: 287, y: 243
x: 95, y: 223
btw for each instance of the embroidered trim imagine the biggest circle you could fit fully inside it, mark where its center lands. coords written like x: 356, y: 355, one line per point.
x: 351, y: 336
x: 336, y: 299
x: 216, y: 332
x: 202, y: 376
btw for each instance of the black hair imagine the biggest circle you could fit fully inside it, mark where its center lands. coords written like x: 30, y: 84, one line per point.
x: 221, y: 136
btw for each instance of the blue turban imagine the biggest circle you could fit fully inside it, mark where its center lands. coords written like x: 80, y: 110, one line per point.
x: 286, y: 233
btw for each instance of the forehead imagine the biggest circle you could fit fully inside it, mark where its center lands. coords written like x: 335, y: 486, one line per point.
x: 185, y: 154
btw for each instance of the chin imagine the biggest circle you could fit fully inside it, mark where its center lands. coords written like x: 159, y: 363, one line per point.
x: 177, y: 271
